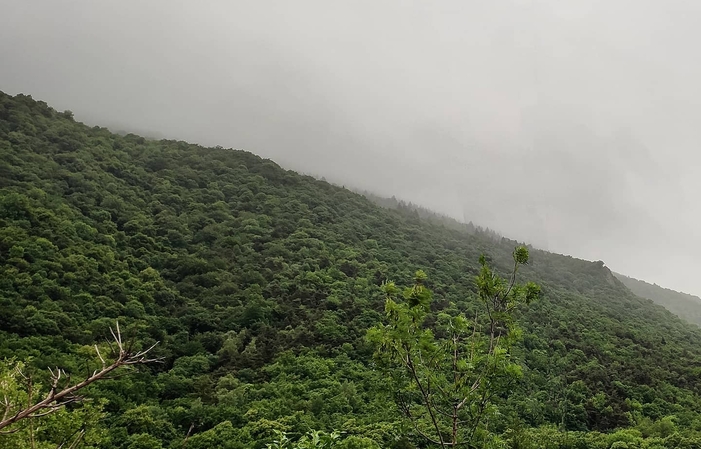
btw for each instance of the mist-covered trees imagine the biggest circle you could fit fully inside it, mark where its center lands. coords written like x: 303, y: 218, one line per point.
x: 686, y: 306
x: 261, y: 285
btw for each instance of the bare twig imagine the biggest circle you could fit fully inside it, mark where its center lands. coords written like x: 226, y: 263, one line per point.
x: 79, y: 436
x: 427, y: 400
x: 189, y: 431
x: 57, y: 398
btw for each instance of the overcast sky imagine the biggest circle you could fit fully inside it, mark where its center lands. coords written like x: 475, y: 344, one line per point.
x: 571, y: 124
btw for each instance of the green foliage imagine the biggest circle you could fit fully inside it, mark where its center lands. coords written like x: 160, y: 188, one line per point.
x: 312, y: 440
x: 445, y: 375
x: 261, y: 285
x: 62, y: 427
x: 321, y: 440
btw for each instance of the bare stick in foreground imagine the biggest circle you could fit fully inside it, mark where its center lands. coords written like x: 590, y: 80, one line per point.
x: 59, y: 397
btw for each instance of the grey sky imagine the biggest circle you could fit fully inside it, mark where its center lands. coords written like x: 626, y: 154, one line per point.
x: 573, y: 124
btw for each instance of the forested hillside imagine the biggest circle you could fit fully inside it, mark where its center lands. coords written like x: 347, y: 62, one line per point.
x: 260, y: 285
x: 686, y: 306
x: 429, y: 215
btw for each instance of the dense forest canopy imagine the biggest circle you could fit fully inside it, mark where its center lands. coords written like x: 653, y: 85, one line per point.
x: 261, y: 285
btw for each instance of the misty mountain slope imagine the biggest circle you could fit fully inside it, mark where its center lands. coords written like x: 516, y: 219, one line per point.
x: 260, y: 285
x: 677, y: 303
x: 430, y: 215
x: 686, y: 306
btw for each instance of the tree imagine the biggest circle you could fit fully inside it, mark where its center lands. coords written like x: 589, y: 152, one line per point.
x: 446, y: 376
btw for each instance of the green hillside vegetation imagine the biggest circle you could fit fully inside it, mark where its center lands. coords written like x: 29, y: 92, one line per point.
x: 261, y: 286
x: 684, y: 305
x: 429, y: 215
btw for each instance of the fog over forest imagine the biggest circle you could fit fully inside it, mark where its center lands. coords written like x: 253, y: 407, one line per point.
x: 571, y: 125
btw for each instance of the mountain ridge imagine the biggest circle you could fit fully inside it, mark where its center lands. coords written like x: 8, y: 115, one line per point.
x: 261, y: 283
x: 471, y: 228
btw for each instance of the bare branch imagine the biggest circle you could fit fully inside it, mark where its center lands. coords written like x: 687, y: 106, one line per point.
x: 427, y: 400
x: 80, y: 433
x: 97, y: 350
x: 8, y: 405
x: 189, y: 431
x: 58, y: 398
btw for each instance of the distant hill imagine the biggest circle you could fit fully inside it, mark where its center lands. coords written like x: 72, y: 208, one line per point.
x: 686, y: 306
